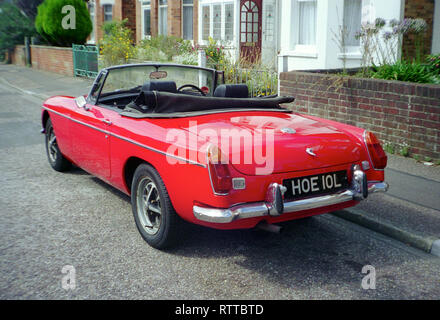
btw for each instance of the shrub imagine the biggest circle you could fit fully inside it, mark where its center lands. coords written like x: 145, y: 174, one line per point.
x: 117, y: 45
x: 49, y: 22
x: 170, y: 46
x: 188, y: 58
x: 433, y: 62
x: 14, y: 27
x: 404, y: 71
x: 215, y: 54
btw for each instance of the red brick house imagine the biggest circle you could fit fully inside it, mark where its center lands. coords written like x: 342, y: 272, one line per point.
x: 259, y: 27
x: 147, y: 18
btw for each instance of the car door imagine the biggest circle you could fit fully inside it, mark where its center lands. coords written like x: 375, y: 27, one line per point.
x: 90, y: 132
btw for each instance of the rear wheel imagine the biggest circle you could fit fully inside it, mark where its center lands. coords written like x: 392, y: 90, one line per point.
x: 155, y: 217
x: 56, y: 159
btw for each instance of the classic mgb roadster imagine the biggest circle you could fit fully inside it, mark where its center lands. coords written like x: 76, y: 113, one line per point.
x: 186, y: 146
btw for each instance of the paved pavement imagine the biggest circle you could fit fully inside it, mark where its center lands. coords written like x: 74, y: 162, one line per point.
x: 49, y: 220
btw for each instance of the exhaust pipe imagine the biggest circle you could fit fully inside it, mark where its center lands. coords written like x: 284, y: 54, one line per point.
x: 269, y: 227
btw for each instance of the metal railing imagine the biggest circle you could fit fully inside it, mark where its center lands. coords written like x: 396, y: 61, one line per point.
x: 85, y: 60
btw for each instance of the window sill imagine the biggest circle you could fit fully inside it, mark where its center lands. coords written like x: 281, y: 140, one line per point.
x: 350, y: 56
x: 300, y: 54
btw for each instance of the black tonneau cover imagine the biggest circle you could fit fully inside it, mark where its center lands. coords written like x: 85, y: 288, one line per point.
x: 155, y: 104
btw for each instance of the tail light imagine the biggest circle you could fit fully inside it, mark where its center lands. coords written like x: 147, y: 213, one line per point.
x: 377, y: 155
x: 219, y: 171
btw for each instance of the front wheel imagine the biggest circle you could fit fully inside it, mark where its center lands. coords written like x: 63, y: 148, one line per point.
x: 54, y: 155
x: 155, y: 217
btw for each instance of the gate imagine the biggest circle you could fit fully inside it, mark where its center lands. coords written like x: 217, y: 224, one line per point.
x: 85, y: 60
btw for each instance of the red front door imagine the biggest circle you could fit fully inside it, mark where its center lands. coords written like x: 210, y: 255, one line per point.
x: 250, y: 29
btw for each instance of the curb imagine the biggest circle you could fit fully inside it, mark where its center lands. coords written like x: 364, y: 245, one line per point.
x: 428, y: 244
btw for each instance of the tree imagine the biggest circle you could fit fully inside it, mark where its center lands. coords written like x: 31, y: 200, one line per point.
x: 14, y: 27
x: 53, y: 22
x: 29, y: 7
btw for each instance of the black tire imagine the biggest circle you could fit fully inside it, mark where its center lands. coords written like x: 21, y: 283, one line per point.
x: 54, y: 155
x: 159, y: 230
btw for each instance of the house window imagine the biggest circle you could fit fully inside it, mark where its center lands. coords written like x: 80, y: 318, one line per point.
x: 92, y: 17
x: 218, y: 20
x: 146, y: 19
x: 163, y: 17
x: 206, y: 25
x: 352, y: 21
x: 229, y: 22
x: 188, y: 19
x: 307, y: 22
x: 108, y: 12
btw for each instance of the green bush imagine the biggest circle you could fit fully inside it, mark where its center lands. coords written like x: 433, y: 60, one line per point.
x: 14, y: 27
x: 433, y: 62
x: 117, y: 46
x: 169, y: 46
x: 404, y: 71
x: 49, y: 22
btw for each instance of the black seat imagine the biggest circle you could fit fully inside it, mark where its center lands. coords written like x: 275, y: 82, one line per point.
x: 164, y: 86
x: 232, y: 91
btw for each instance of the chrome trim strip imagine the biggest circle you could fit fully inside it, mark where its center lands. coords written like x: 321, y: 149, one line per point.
x: 128, y: 140
x: 261, y: 209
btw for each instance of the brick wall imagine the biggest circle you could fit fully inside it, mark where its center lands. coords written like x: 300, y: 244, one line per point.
x: 18, y: 56
x: 52, y: 59
x: 398, y: 112
x: 175, y: 18
x: 419, y: 9
x: 129, y: 12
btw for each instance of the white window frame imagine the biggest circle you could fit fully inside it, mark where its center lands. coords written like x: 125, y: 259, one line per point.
x: 211, y: 4
x: 159, y: 19
x: 301, y: 49
x: 183, y: 21
x: 143, y: 8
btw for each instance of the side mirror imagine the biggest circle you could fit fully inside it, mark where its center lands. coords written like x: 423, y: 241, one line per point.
x: 81, y: 102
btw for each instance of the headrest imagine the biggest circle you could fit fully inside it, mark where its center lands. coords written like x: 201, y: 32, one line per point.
x: 164, y: 86
x: 232, y: 91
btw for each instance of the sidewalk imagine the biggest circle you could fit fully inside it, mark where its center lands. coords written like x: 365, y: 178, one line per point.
x: 43, y: 84
x: 408, y: 212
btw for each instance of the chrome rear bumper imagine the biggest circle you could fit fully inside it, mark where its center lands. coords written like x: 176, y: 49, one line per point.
x: 269, y: 208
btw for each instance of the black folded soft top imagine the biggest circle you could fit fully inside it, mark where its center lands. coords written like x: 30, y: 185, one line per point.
x: 155, y: 104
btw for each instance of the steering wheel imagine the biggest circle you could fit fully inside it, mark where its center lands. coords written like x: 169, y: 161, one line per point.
x: 192, y: 87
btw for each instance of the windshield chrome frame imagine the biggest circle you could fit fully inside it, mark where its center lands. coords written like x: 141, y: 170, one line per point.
x: 105, y: 72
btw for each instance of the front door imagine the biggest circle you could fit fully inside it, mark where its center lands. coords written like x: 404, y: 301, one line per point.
x: 250, y: 30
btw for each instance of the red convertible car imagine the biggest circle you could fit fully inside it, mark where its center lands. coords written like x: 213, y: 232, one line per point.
x: 185, y: 146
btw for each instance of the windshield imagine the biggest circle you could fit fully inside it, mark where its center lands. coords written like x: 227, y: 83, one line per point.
x: 132, y: 78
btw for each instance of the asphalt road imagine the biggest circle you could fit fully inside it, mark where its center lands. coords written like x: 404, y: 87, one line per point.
x: 49, y: 220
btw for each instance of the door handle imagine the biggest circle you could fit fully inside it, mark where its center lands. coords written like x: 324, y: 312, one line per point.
x: 107, y: 122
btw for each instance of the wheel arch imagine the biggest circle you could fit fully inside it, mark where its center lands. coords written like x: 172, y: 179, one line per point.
x: 44, y: 117
x: 130, y: 167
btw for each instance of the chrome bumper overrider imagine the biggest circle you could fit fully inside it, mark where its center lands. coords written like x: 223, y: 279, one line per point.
x: 275, y: 206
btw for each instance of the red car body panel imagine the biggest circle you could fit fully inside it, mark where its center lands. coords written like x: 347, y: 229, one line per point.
x: 102, y: 142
